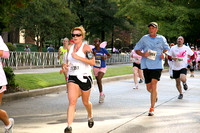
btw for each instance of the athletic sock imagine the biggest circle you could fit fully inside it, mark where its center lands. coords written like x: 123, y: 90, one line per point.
x: 101, y: 94
x: 7, y: 127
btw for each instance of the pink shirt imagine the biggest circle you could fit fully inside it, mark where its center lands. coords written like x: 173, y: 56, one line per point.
x: 136, y: 58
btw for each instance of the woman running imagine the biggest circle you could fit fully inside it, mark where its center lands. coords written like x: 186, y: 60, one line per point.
x: 100, y: 68
x: 136, y: 68
x: 79, y: 59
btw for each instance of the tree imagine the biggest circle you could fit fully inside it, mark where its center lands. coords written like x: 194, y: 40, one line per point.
x: 6, y: 9
x: 99, y: 18
x: 175, y: 17
x: 44, y: 19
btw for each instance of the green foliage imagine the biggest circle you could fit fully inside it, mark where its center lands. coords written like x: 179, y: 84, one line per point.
x: 175, y: 17
x: 6, y: 9
x: 12, y: 86
x: 98, y: 17
x: 11, y: 47
x: 44, y: 19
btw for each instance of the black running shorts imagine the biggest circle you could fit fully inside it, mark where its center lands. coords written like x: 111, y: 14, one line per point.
x: 85, y: 86
x: 136, y: 65
x: 176, y: 73
x: 150, y: 74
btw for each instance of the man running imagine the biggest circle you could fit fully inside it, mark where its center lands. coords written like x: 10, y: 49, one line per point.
x: 180, y: 54
x: 153, y: 46
x: 192, y: 62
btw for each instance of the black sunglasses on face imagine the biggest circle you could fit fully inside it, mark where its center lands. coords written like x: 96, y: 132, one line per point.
x: 78, y: 35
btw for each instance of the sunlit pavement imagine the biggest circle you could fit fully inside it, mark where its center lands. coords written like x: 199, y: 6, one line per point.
x: 124, y: 110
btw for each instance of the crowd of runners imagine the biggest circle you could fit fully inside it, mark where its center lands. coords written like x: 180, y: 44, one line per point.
x: 77, y: 57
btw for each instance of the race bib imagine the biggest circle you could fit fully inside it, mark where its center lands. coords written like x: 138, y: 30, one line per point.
x: 74, y: 67
x: 98, y: 63
x: 152, y: 54
x: 180, y: 59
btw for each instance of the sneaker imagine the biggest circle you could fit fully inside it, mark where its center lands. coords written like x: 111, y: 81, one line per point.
x: 180, y: 96
x: 135, y: 87
x: 185, y: 86
x: 141, y: 81
x: 90, y: 122
x: 191, y: 75
x: 68, y: 130
x: 151, y: 112
x: 101, y: 98
x: 10, y: 130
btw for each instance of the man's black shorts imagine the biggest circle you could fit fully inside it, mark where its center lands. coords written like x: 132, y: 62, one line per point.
x: 85, y: 86
x: 176, y: 73
x: 150, y: 74
x: 136, y: 65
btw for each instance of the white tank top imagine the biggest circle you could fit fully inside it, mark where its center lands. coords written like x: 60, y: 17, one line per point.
x: 77, y: 67
x: 3, y: 80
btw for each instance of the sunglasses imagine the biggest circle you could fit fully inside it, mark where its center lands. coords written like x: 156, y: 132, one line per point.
x: 78, y: 35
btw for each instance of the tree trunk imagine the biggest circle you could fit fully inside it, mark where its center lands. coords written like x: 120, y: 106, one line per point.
x: 112, y: 41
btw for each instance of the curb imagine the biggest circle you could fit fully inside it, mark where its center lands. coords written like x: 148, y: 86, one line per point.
x: 53, y: 89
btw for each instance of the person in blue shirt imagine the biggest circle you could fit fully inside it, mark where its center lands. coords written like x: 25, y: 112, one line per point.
x: 154, y: 46
x: 99, y: 69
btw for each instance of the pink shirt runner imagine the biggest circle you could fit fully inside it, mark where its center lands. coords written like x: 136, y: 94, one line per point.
x: 136, y: 58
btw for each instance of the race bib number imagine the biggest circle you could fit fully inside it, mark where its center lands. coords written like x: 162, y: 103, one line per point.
x: 98, y: 63
x: 74, y: 67
x: 180, y: 59
x: 152, y: 54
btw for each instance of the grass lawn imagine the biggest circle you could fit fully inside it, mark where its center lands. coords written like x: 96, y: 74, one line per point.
x: 41, y: 80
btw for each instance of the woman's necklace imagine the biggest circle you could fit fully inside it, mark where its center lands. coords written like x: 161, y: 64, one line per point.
x: 76, y: 48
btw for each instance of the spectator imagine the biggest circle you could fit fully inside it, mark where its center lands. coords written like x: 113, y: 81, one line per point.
x: 27, y: 49
x: 50, y: 49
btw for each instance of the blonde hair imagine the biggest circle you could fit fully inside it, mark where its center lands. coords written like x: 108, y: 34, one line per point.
x: 81, y: 29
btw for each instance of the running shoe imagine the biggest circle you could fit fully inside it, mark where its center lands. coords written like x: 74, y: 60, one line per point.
x: 191, y: 75
x: 101, y: 98
x: 151, y: 112
x: 90, y: 122
x: 185, y: 86
x: 140, y: 81
x: 180, y: 96
x: 10, y: 130
x: 68, y: 130
x: 135, y: 87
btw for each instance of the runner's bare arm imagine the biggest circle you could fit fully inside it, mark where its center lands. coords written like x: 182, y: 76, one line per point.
x: 141, y: 53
